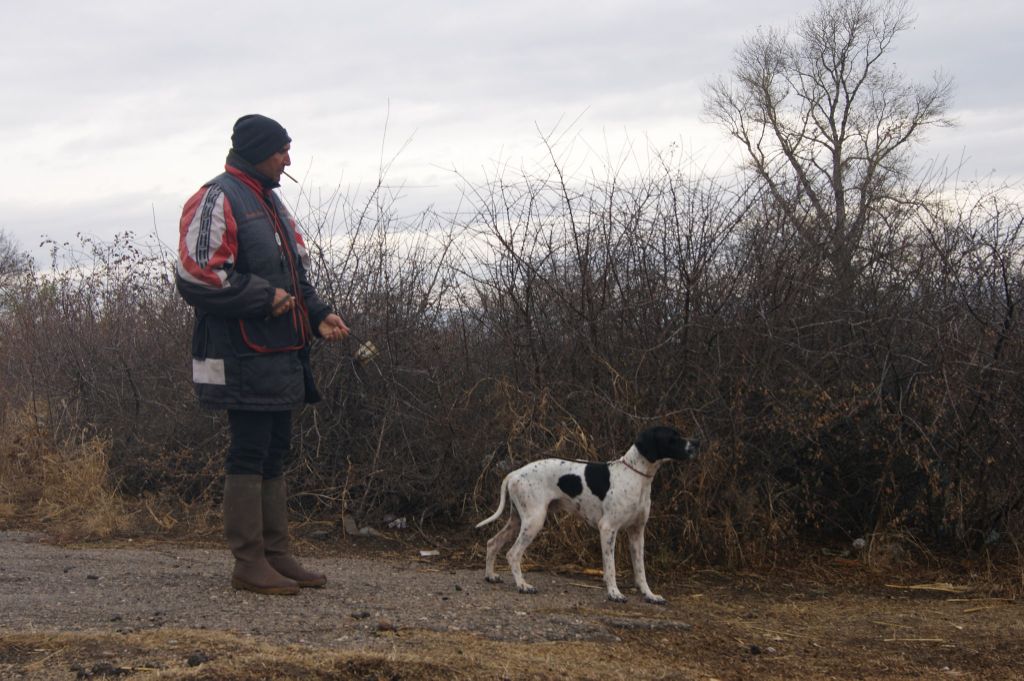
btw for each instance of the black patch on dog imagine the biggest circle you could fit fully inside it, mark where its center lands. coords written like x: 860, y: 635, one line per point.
x: 598, y: 479
x: 571, y: 485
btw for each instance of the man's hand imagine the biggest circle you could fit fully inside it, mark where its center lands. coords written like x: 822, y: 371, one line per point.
x: 283, y: 302
x: 333, y: 328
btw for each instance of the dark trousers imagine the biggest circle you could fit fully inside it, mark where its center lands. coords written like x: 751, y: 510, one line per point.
x: 259, y: 442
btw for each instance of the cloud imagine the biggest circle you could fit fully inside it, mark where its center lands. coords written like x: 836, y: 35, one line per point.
x: 111, y: 108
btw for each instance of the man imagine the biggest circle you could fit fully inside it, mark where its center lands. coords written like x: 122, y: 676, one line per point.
x: 242, y: 265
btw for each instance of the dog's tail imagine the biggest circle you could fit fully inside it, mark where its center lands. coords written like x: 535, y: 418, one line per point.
x: 501, y: 504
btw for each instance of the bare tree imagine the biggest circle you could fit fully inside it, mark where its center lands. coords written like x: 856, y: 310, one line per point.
x: 827, y: 122
x: 11, y: 260
x: 13, y: 264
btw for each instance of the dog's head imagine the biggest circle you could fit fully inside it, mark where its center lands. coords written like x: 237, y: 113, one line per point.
x: 665, y: 442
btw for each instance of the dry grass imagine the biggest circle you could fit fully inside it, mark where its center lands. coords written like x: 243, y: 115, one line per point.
x: 20, y: 478
x: 65, y: 488
x: 740, y: 627
x: 191, y: 654
x: 76, y: 494
x: 411, y: 656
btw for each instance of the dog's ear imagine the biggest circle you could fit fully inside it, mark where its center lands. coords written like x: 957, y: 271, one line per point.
x: 645, y: 444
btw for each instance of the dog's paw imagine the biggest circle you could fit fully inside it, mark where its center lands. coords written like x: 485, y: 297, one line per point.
x: 493, y: 579
x: 527, y: 589
x: 617, y: 598
x: 655, y: 599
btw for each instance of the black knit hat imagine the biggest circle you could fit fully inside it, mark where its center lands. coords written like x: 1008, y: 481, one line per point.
x: 256, y: 138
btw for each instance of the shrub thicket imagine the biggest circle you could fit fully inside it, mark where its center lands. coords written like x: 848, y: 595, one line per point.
x: 559, y: 318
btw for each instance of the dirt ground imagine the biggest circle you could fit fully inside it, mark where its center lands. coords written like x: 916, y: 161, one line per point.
x: 155, y: 610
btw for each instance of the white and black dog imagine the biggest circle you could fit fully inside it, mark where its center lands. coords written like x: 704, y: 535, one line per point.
x: 611, y: 496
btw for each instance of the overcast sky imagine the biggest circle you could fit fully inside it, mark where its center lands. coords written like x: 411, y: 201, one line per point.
x: 113, y: 113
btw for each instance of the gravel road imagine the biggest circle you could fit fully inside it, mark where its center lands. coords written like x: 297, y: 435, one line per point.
x: 130, y: 589
x: 382, y: 607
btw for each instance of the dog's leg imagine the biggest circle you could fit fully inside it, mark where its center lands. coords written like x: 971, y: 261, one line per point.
x: 636, y: 550
x: 608, y: 532
x: 497, y: 543
x: 531, y: 527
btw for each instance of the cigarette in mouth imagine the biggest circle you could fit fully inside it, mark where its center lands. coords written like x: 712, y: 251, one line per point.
x: 290, y: 177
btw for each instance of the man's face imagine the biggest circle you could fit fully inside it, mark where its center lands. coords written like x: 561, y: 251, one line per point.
x: 273, y: 167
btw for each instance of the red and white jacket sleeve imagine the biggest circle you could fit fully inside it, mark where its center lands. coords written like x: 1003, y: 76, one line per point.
x: 205, y: 273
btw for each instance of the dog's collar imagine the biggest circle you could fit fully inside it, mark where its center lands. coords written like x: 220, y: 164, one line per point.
x: 626, y: 464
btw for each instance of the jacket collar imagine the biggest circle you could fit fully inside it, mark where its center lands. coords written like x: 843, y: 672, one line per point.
x: 245, y: 171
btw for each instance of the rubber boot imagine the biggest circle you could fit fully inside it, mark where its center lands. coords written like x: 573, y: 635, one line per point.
x: 275, y: 536
x: 243, y: 528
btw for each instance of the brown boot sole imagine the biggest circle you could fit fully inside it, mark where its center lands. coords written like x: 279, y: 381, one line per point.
x: 265, y: 590
x: 312, y: 583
